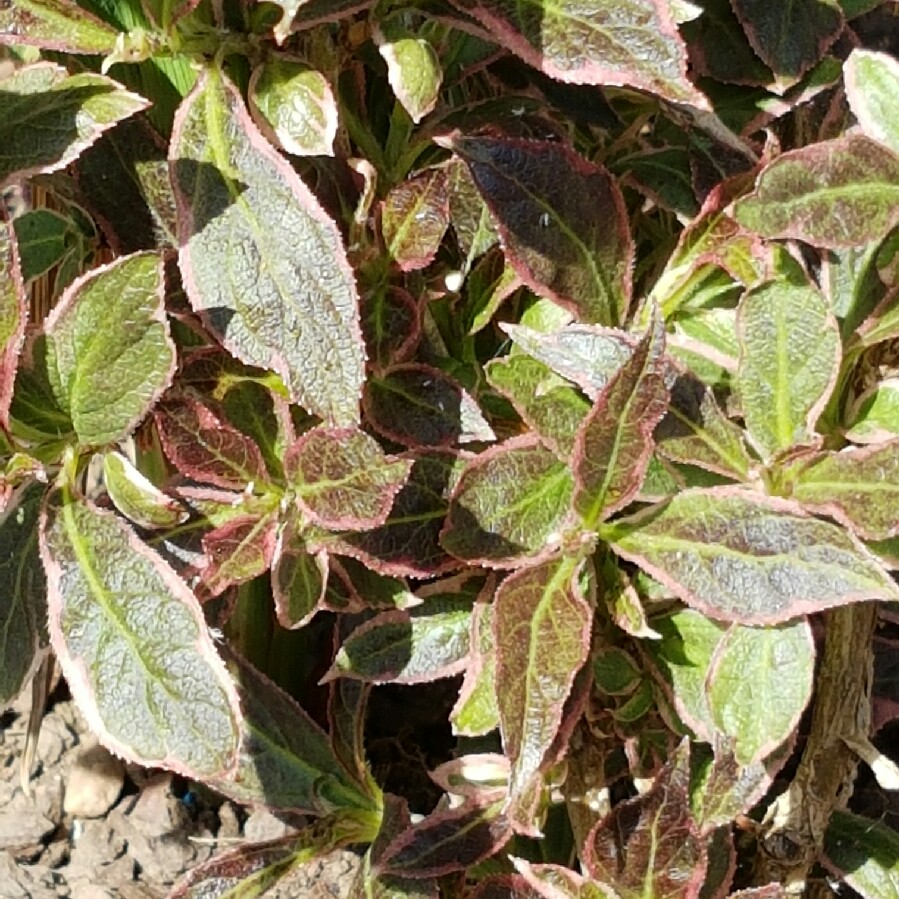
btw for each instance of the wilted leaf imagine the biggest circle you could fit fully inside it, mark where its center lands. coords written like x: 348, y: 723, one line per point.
x: 138, y: 498
x: 132, y: 642
x: 562, y: 221
x: 414, y: 218
x: 742, y: 557
x: 13, y: 317
x: 864, y: 853
x: 48, y: 117
x: 872, y: 89
x: 413, y: 70
x: 54, y: 25
x: 838, y: 193
x: 789, y: 356
x: 109, y: 352
x: 286, y: 298
x: 541, y: 624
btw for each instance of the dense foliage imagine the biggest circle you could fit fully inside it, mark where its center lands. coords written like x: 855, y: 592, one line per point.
x: 513, y: 385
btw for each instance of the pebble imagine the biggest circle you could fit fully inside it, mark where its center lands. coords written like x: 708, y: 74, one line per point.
x: 94, y: 784
x: 263, y: 825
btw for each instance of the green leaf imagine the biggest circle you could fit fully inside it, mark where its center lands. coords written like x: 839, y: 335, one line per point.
x: 67, y: 112
x: 414, y: 218
x: 789, y: 358
x: 136, y: 497
x: 875, y: 414
x: 738, y: 556
x: 23, y: 611
x: 634, y: 43
x: 13, y: 317
x: 541, y: 624
x: 109, y: 352
x: 44, y: 239
x: 838, y: 193
x: 54, y: 25
x: 343, y: 479
x: 614, y: 443
x: 299, y: 580
x: 133, y: 644
x: 759, y: 685
x: 864, y: 853
x: 413, y: 70
x: 544, y: 199
x: 286, y: 301
x: 857, y: 487
x: 475, y: 712
x: 294, y: 107
x: 510, y: 506
x: 872, y: 83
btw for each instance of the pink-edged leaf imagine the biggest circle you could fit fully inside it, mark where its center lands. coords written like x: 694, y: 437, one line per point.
x: 299, y: 579
x: 504, y: 886
x: 544, y: 199
x: 447, y: 841
x: 872, y: 89
x: 469, y: 216
x: 347, y: 705
x: 758, y: 685
x: 614, y: 443
x: 422, y: 644
x: 48, y: 117
x: 838, y: 193
x: 475, y: 712
x: 722, y: 864
x: 857, y: 487
x: 13, y: 317
x: 391, y: 322
x: 482, y: 776
x: 739, y: 556
x: 414, y: 218
x: 632, y: 43
x: 202, y: 446
x: 792, y: 37
x: 558, y: 882
x: 370, y: 590
x: 239, y: 551
x: 413, y: 70
x: 541, y: 625
x: 343, y: 479
x: 286, y: 301
x: 110, y: 354
x: 651, y: 845
x: 317, y: 12
x: 408, y: 543
x: 55, y: 25
x: 864, y: 853
x: 510, y: 506
x: 132, y: 642
x: 420, y: 406
x: 138, y: 498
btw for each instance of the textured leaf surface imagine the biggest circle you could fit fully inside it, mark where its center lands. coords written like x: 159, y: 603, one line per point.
x: 615, y: 441
x: 13, y: 317
x: 239, y: 550
x: 633, y: 43
x: 541, y: 624
x: 561, y: 219
x: 510, y: 505
x: 343, y: 478
x: 789, y: 355
x: 476, y: 713
x: 414, y: 73
x: 299, y: 579
x: 391, y: 321
x: 759, y: 685
x: 414, y: 218
x: 136, y: 497
x: 262, y: 263
x: 132, y: 642
x: 54, y: 25
x: 756, y: 560
x: 42, y: 237
x: 872, y: 89
x: 838, y: 193
x: 865, y: 853
x: 875, y: 416
x: 48, y: 117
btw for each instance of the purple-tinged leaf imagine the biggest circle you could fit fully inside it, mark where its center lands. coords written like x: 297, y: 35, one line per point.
x: 838, y: 193
x: 790, y: 352
x: 864, y: 853
x: 475, y: 712
x: 413, y: 70
x: 347, y: 705
x: 294, y: 107
x: 13, y: 317
x: 541, y: 624
x: 420, y: 406
x: 614, y: 443
x: 423, y: 644
x: 202, y: 446
x: 494, y: 293
x: 370, y: 590
x: 286, y: 300
x: 54, y: 25
x: 857, y: 487
x: 483, y: 776
x: 408, y: 544
x: 504, y: 886
x: 722, y: 864
x: 790, y: 38
x: 447, y: 841
x: 558, y: 882
x: 739, y: 556
x: 23, y: 612
x: 546, y: 402
x: 48, y: 117
x: 630, y: 43
x: 650, y: 846
x: 414, y: 218
x: 758, y: 686
x: 872, y: 89
x: 343, y: 479
x: 510, y: 506
x: 561, y: 219
x: 110, y: 355
x: 316, y: 12
x: 286, y: 760
x: 469, y: 215
x: 299, y: 579
x: 132, y: 642
x: 238, y: 551
x: 138, y: 498
x: 391, y: 322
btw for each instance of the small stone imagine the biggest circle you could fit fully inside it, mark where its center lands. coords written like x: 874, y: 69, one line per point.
x: 94, y: 784
x: 90, y: 891
x: 263, y: 825
x: 229, y: 825
x: 22, y: 828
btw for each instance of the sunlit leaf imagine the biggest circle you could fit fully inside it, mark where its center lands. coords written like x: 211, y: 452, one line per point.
x: 54, y: 25
x: 299, y: 579
x: 875, y: 414
x: 864, y: 853
x: 414, y: 218
x: 742, y: 557
x: 138, y: 498
x: 238, y: 551
x: 413, y: 70
x: 262, y: 262
x: 475, y: 712
x: 13, y: 317
x: 872, y: 89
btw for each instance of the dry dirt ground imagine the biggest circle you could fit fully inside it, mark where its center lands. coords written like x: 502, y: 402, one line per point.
x: 95, y: 829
